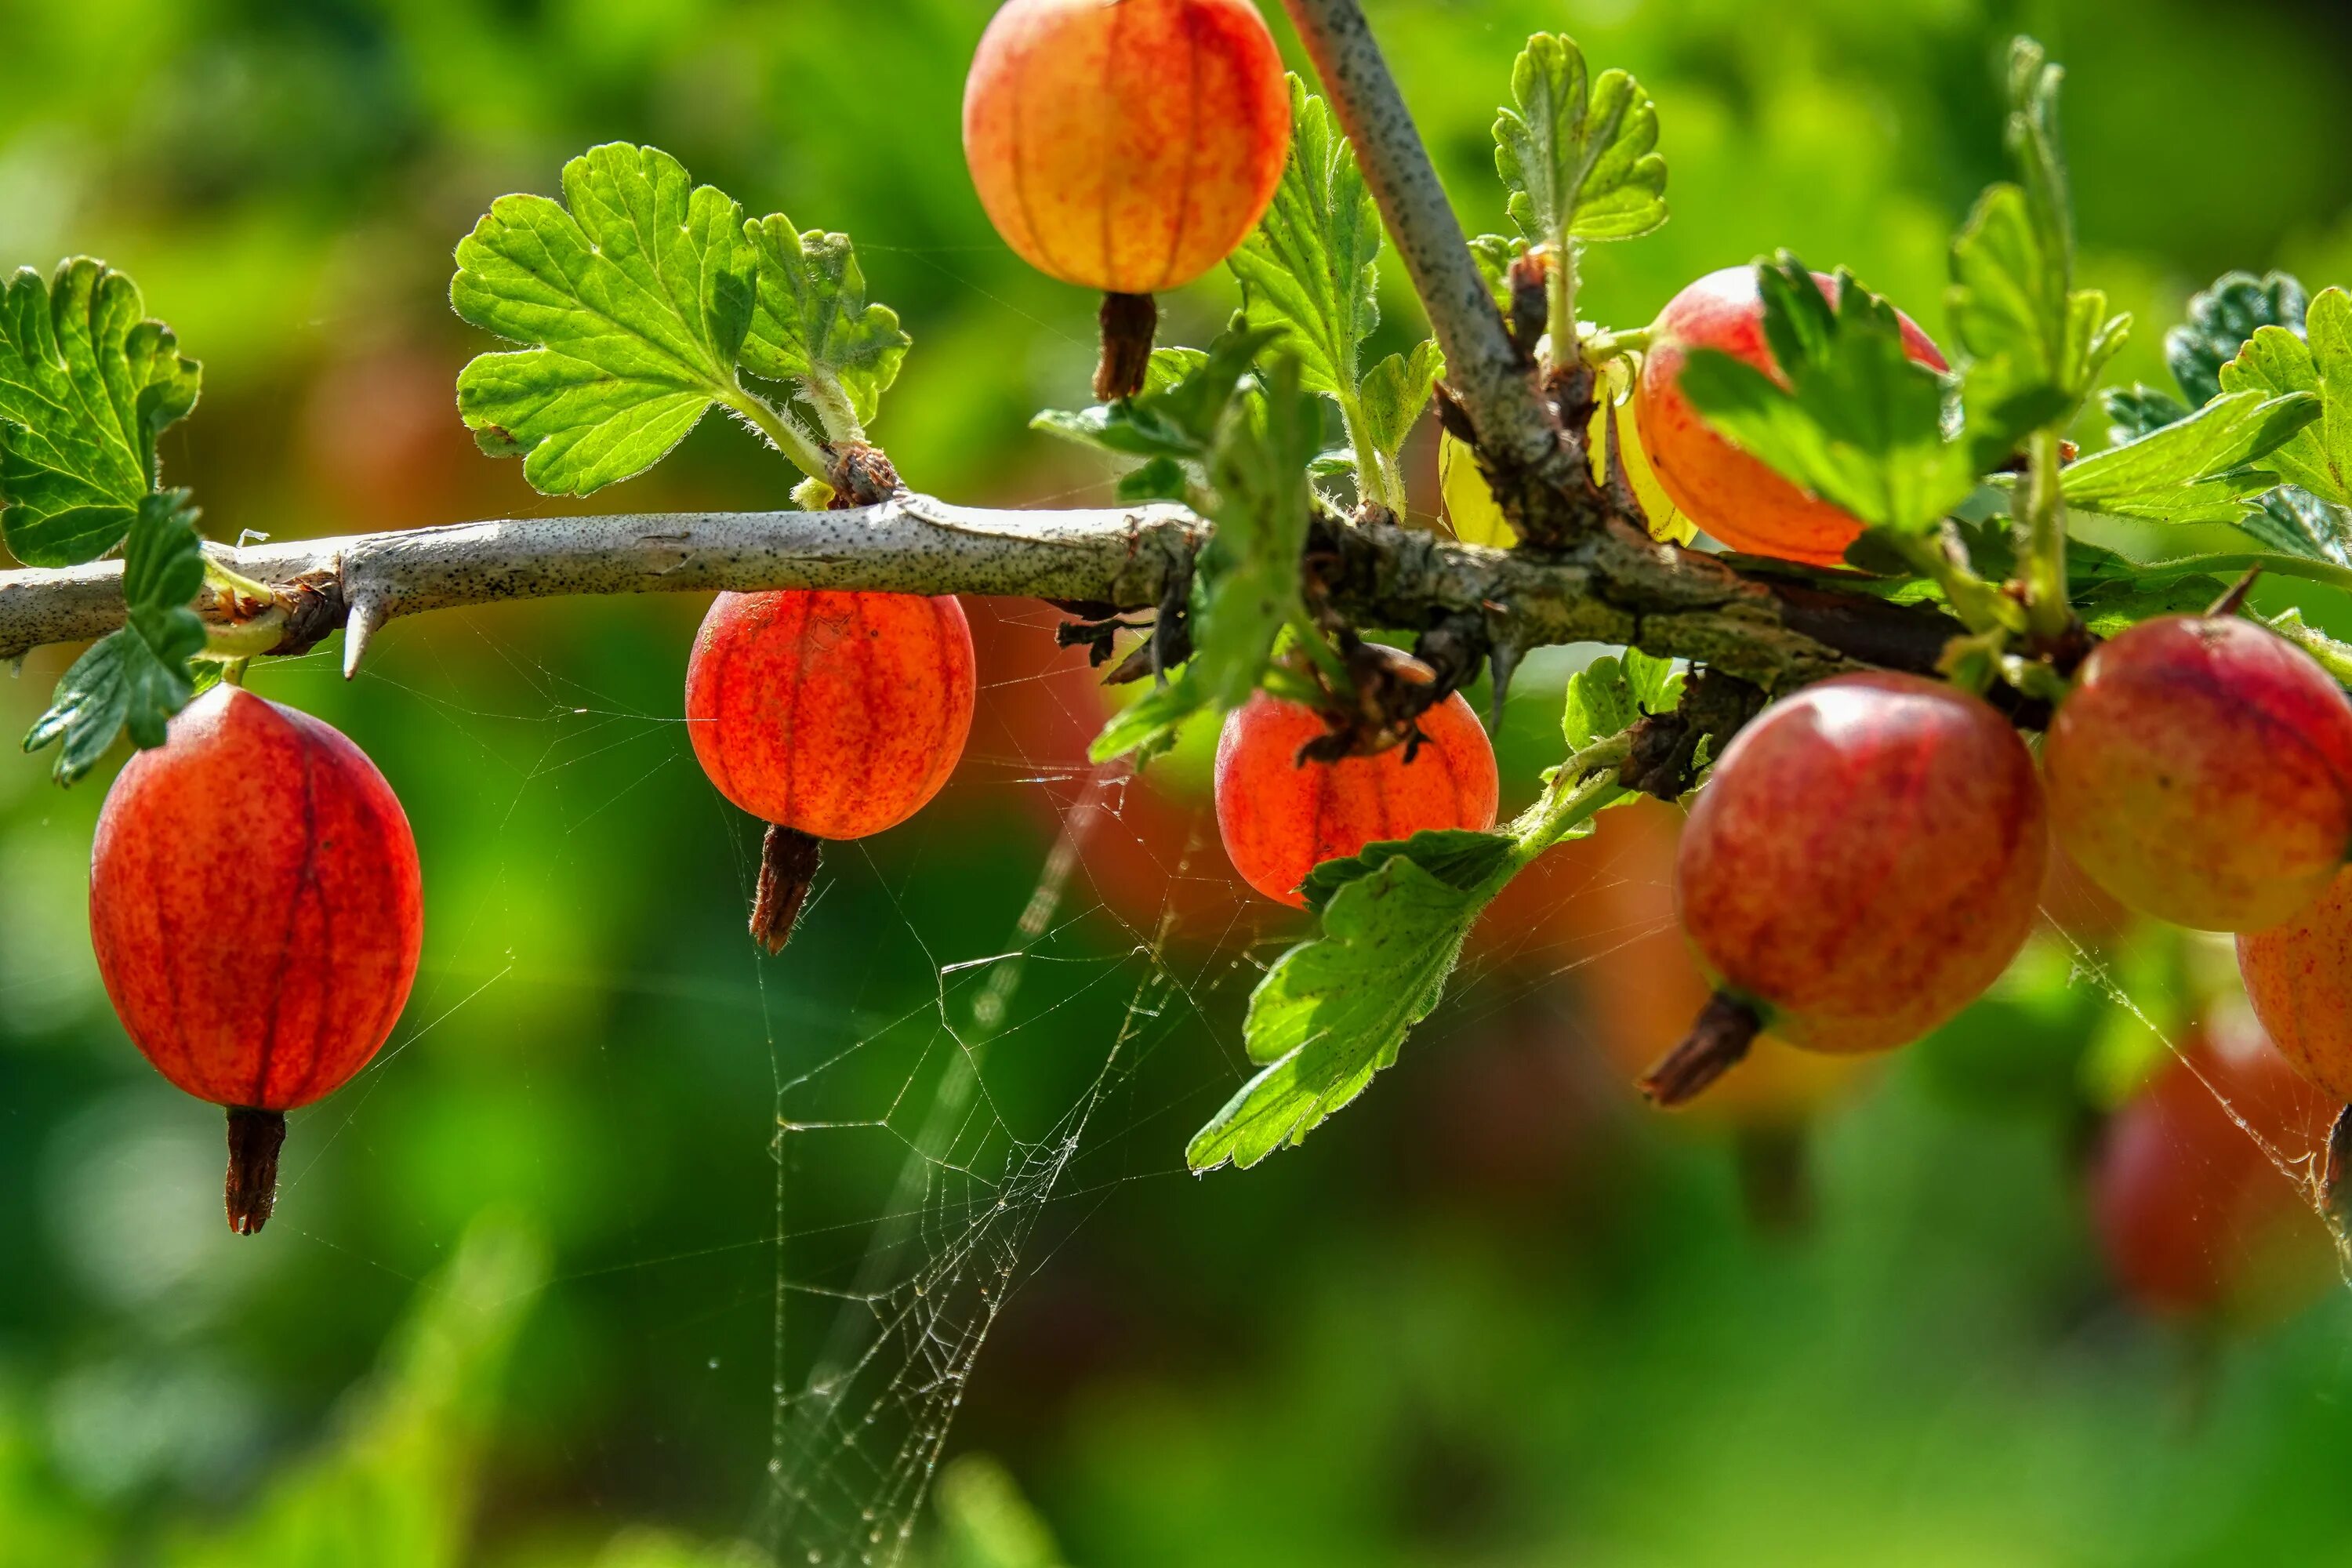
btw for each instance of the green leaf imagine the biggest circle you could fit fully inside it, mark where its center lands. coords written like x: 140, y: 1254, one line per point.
x: 1859, y: 423
x: 138, y: 676
x: 1494, y: 253
x: 635, y: 293
x: 1608, y: 694
x: 1161, y: 478
x: 2275, y: 361
x: 2137, y: 410
x: 1307, y: 270
x: 2199, y: 470
x: 87, y: 384
x: 1578, y: 154
x: 1185, y: 394
x: 1395, y: 393
x: 1247, y: 587
x: 2294, y: 522
x: 1461, y: 859
x: 810, y: 324
x: 1334, y: 1011
x: 2220, y: 319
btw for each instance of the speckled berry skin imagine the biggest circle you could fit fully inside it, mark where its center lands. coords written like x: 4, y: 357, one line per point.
x: 1279, y: 820
x: 256, y: 904
x: 838, y: 714
x: 1126, y: 145
x: 1733, y: 497
x: 2298, y: 975
x: 2200, y: 770
x: 1864, y: 861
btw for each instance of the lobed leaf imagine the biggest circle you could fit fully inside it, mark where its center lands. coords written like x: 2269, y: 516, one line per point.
x: 1858, y: 423
x: 2290, y: 521
x: 1395, y: 393
x: 2275, y: 361
x: 2137, y: 410
x: 1458, y: 857
x: 1307, y: 271
x: 810, y: 324
x: 136, y: 677
x: 1334, y: 1011
x: 1178, y: 412
x: 2220, y: 319
x: 2201, y: 468
x: 87, y: 382
x: 1578, y: 153
x: 1608, y: 694
x: 635, y: 294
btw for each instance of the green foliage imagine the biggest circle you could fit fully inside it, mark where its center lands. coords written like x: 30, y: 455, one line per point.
x: 1308, y: 276
x: 1607, y: 696
x: 1859, y: 423
x: 2222, y: 318
x: 2275, y: 361
x: 87, y: 383
x: 1334, y: 1011
x: 636, y: 296
x: 1578, y: 153
x: 2201, y: 468
x: 1246, y: 588
x: 138, y: 676
x: 1176, y: 416
x: 811, y: 325
x: 2034, y: 343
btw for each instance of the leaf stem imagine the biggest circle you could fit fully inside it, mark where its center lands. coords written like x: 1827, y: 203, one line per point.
x: 1583, y: 786
x: 834, y: 409
x: 2047, y: 613
x: 1373, y: 480
x: 226, y: 577
x: 1560, y: 291
x: 780, y: 427
x: 1606, y: 345
x: 1980, y: 606
x: 229, y: 641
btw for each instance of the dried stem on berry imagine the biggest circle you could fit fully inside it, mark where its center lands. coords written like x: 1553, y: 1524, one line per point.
x: 788, y: 863
x: 254, y: 1138
x: 1716, y: 1043
x: 1128, y: 322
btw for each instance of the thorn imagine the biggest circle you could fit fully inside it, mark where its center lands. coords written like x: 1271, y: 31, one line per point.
x: 367, y: 618
x: 2335, y: 1189
x: 2232, y: 601
x: 1503, y: 658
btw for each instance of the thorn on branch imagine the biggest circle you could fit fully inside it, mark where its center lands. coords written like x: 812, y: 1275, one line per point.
x: 367, y: 618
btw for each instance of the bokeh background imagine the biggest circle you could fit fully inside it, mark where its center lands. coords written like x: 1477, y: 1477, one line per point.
x: 2025, y: 1296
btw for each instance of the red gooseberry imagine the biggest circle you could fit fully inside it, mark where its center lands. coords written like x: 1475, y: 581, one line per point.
x: 827, y: 714
x: 257, y: 910
x: 1280, y: 817
x: 1862, y: 864
x: 1126, y: 145
x: 2193, y: 1210
x: 1731, y: 495
x: 2200, y: 770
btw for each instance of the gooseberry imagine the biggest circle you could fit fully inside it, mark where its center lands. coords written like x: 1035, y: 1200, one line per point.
x: 2200, y: 770
x: 257, y: 910
x: 1280, y: 817
x: 1126, y: 145
x: 2193, y: 1214
x: 1726, y: 493
x: 2298, y: 976
x: 1863, y: 864
x: 828, y: 715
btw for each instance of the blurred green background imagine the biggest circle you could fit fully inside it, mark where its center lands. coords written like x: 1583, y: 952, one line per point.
x: 538, y: 1274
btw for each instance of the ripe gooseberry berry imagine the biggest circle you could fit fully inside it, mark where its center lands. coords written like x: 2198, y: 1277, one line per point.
x: 2200, y: 770
x: 2194, y: 1217
x: 826, y: 714
x: 1280, y: 817
x: 1733, y: 496
x: 1126, y: 145
x: 1863, y: 864
x: 257, y: 910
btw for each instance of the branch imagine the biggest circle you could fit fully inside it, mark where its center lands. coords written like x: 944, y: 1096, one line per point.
x: 1607, y: 587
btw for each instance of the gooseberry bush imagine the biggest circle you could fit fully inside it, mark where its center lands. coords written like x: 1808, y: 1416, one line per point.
x: 1913, y: 586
